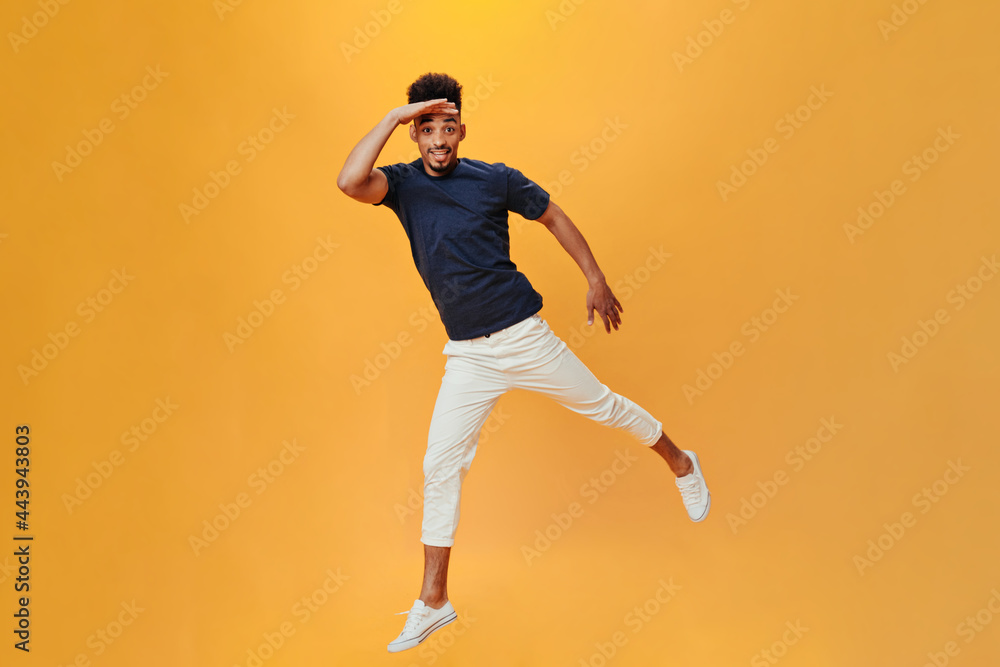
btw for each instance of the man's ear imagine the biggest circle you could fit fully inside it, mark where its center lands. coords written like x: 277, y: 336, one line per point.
x: 413, y: 131
x: 461, y: 135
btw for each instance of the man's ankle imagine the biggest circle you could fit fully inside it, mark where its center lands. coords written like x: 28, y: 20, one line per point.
x: 685, y: 466
x: 434, y: 602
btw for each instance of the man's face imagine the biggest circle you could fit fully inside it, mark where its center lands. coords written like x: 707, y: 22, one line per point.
x: 437, y: 137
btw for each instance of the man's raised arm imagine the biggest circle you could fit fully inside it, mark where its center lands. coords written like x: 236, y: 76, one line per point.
x: 358, y: 178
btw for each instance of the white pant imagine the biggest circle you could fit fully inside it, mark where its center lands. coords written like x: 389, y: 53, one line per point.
x: 526, y: 355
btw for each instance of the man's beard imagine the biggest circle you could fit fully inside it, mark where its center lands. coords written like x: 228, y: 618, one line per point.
x: 444, y: 167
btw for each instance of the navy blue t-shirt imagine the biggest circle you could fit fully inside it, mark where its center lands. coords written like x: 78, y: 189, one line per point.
x: 457, y: 225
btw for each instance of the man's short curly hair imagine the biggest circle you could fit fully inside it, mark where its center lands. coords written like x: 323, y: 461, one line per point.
x: 433, y: 86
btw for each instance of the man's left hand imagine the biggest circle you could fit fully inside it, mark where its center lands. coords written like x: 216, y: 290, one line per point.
x: 602, y: 299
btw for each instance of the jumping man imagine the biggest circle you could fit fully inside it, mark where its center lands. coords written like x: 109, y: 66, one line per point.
x: 454, y: 211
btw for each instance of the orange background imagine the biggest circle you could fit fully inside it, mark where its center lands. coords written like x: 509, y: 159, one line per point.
x: 116, y: 520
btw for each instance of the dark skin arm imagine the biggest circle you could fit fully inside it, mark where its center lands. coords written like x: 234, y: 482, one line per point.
x: 600, y: 298
x: 359, y: 179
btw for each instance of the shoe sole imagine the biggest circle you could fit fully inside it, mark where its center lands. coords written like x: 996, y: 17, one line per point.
x: 416, y: 641
x: 708, y: 506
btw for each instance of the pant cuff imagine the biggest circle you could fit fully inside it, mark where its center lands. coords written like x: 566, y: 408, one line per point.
x: 650, y: 443
x: 437, y: 541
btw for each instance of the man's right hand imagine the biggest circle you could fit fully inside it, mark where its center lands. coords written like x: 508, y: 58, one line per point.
x: 406, y: 114
x: 359, y: 179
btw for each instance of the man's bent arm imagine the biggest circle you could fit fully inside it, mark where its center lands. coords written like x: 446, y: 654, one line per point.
x: 599, y: 297
x: 358, y: 178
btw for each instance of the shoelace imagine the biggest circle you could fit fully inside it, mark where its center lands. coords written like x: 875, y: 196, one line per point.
x: 414, y: 619
x: 690, y: 490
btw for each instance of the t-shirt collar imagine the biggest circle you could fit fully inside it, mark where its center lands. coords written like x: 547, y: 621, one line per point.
x: 419, y: 165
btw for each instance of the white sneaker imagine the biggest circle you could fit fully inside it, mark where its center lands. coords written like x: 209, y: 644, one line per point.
x: 694, y: 491
x: 421, y: 621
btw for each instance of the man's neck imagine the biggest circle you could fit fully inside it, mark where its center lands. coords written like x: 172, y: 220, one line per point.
x: 438, y: 174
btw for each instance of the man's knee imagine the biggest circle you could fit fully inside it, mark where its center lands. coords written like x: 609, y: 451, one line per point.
x: 443, y: 473
x: 608, y: 408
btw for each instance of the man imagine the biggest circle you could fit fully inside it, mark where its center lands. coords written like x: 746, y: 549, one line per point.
x: 454, y: 211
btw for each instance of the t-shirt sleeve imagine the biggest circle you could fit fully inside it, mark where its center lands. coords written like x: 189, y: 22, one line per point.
x: 524, y: 196
x: 391, y: 172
